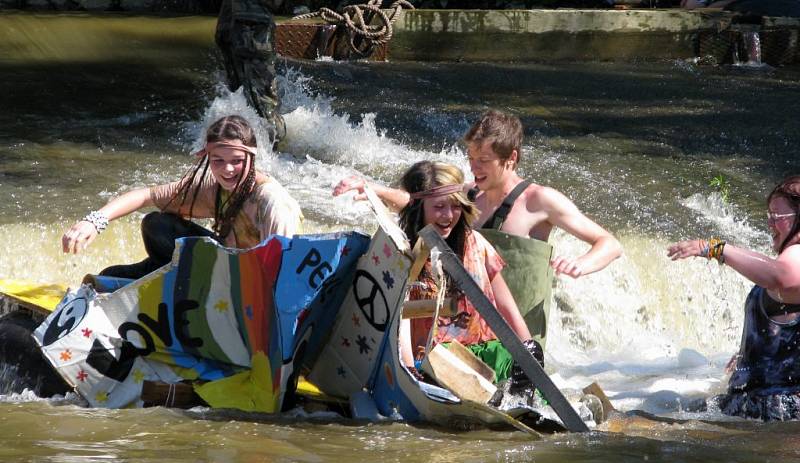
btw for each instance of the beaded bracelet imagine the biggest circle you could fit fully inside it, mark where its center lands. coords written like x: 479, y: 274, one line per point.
x: 98, y: 219
x: 714, y: 250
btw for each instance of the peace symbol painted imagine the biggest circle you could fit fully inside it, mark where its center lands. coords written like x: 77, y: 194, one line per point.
x: 367, y: 290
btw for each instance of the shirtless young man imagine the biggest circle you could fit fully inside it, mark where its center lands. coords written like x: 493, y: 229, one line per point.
x: 494, y: 148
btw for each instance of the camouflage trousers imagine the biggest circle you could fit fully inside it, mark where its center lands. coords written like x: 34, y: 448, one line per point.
x: 245, y: 36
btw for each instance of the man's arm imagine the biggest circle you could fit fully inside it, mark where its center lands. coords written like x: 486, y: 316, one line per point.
x: 394, y: 198
x: 564, y: 214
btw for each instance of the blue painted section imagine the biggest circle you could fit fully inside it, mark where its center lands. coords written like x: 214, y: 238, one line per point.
x: 104, y: 284
x: 316, y: 272
x: 389, y: 396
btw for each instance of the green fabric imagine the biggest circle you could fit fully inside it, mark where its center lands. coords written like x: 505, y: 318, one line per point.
x: 528, y: 275
x: 496, y: 356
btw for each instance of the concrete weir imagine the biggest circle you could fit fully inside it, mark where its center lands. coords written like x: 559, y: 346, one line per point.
x: 567, y: 34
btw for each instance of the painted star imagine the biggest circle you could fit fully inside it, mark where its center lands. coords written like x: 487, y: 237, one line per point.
x: 249, y: 311
x: 345, y: 342
x: 86, y: 332
x: 363, y: 347
x: 400, y: 265
x: 138, y: 376
x: 356, y: 320
x: 345, y: 251
x: 387, y: 279
x: 376, y: 260
x: 387, y: 251
x: 82, y: 375
x: 101, y: 397
x: 66, y: 355
x: 221, y: 305
x: 340, y: 371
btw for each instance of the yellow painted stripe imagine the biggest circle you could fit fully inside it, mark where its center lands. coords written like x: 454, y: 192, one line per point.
x: 306, y: 389
x: 43, y: 296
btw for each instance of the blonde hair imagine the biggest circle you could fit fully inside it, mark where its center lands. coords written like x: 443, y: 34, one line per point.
x: 423, y: 176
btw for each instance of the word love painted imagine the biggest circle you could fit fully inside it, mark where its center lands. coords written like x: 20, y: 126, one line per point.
x: 101, y: 359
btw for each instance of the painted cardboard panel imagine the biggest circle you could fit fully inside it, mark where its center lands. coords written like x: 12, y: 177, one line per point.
x: 377, y: 291
x: 349, y: 360
x: 206, y: 316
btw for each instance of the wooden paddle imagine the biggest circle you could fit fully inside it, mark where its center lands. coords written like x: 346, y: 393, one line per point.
x: 453, y: 266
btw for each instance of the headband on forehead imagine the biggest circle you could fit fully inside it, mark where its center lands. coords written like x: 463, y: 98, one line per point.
x: 437, y: 191
x: 225, y: 144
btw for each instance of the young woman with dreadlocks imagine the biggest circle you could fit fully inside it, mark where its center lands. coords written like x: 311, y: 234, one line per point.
x: 437, y: 197
x: 246, y: 205
x: 765, y: 381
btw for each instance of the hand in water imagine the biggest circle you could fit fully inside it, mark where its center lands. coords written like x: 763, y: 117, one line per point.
x: 77, y: 238
x: 351, y: 183
x: 569, y: 267
x: 684, y: 249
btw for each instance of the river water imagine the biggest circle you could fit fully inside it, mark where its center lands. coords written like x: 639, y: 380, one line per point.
x: 96, y: 105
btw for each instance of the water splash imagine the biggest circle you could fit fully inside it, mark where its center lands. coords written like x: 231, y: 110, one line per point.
x: 324, y: 147
x: 627, y: 325
x: 654, y: 333
x: 229, y: 103
x: 722, y: 215
x: 751, y: 46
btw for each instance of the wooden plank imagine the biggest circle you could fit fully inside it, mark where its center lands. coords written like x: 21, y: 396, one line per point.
x: 310, y: 41
x: 426, y: 307
x: 37, y: 299
x: 178, y: 395
x: 454, y: 374
x: 598, y: 392
x: 453, y: 266
x: 466, y: 356
x: 505, y: 417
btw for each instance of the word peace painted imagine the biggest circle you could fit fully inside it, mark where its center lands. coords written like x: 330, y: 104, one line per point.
x: 321, y: 269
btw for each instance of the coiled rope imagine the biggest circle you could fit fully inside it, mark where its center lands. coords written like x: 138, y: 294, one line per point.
x: 353, y: 18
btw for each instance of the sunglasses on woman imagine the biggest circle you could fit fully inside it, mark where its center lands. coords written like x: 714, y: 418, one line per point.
x: 774, y: 217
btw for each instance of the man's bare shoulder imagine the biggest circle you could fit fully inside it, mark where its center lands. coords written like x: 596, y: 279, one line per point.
x: 539, y: 193
x: 545, y: 198
x: 529, y: 216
